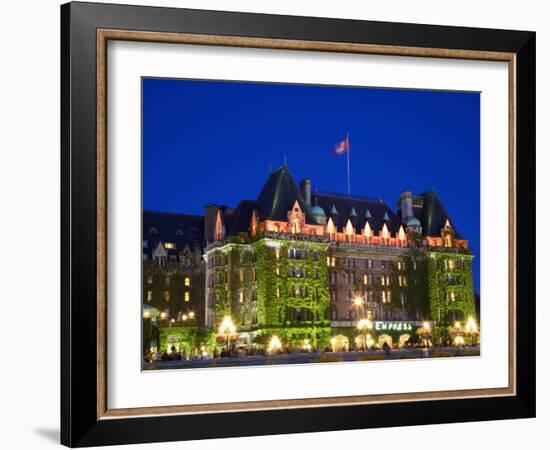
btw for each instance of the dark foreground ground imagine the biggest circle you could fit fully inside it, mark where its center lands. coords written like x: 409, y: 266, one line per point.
x: 309, y: 358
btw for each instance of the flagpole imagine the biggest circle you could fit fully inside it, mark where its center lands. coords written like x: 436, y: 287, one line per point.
x: 347, y: 154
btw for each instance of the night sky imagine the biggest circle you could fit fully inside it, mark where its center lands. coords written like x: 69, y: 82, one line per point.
x: 214, y: 141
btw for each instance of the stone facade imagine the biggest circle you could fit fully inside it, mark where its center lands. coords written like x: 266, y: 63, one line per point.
x: 282, y: 265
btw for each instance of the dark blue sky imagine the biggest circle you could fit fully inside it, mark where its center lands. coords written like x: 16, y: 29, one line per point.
x: 210, y: 141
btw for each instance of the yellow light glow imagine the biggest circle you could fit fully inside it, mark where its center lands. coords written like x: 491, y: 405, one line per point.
x: 459, y: 340
x: 274, y: 344
x: 358, y: 301
x: 227, y: 326
x: 471, y: 326
x: 173, y: 320
x: 370, y: 342
x: 426, y: 326
x: 184, y: 317
x: 333, y: 341
x: 364, y: 323
x: 163, y: 315
x: 457, y: 324
x: 146, y: 314
x: 191, y: 315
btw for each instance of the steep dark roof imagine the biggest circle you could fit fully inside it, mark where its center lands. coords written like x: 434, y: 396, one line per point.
x: 240, y: 218
x: 278, y: 196
x: 433, y: 215
x: 345, y: 205
x: 182, y: 229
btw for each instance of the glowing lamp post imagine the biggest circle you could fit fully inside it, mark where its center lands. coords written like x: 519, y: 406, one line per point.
x: 357, y: 301
x: 364, y: 325
x: 274, y: 344
x: 471, y: 329
x: 227, y: 327
x: 425, y: 331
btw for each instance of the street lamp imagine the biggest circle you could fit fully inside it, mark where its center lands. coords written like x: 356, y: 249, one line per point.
x: 274, y: 344
x: 426, y: 332
x: 357, y: 301
x: 471, y: 329
x: 227, y: 327
x: 364, y: 325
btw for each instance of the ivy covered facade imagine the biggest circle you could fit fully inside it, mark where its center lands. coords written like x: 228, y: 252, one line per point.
x: 307, y: 266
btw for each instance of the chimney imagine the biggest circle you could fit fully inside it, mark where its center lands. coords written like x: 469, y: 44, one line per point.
x: 405, y: 200
x: 305, y: 188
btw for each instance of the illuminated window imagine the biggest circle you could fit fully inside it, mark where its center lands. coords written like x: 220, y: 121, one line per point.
x: 241, y: 275
x: 167, y: 280
x: 386, y: 296
x: 451, y: 264
x: 167, y: 296
x: 333, y: 261
x: 241, y: 296
x: 278, y: 271
x: 186, y: 296
x: 365, y: 279
x: 150, y: 279
x: 278, y: 292
x: 149, y: 296
x: 169, y: 245
x: 277, y: 253
x: 187, y: 281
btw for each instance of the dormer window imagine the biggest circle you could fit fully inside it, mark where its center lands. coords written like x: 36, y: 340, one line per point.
x: 385, y: 235
x: 169, y: 246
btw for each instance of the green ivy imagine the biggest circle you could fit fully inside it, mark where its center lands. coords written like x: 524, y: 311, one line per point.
x: 438, y: 288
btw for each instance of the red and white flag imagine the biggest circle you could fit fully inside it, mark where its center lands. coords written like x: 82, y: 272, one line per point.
x: 342, y: 147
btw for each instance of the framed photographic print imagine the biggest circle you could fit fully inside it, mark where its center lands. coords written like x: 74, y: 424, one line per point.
x: 277, y: 224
